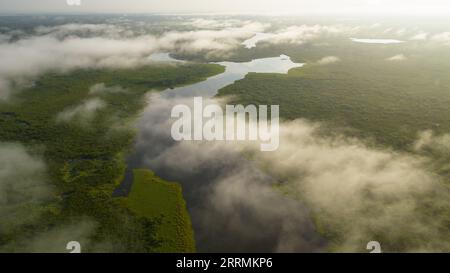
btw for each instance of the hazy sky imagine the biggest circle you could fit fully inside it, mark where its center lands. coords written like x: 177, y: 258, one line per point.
x: 229, y: 6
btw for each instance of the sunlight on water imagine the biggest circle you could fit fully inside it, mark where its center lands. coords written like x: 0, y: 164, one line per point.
x: 233, y: 72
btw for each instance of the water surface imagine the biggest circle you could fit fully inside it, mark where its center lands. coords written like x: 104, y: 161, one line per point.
x: 233, y: 72
x: 261, y: 220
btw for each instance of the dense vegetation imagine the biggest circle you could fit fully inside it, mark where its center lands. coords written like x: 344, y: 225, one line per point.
x: 384, y: 103
x: 85, y: 154
x: 153, y: 198
x: 370, y: 96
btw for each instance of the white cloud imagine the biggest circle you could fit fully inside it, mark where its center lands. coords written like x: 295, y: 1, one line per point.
x: 361, y: 190
x: 23, y: 184
x: 428, y: 140
x: 420, y: 36
x: 32, y: 56
x: 209, y: 40
x: 328, y: 60
x: 101, y: 88
x: 398, y: 57
x: 305, y: 33
x: 401, y: 31
x: 357, y: 192
x: 443, y: 37
x: 55, y: 239
x: 4, y: 38
x: 216, y: 23
x: 84, y: 111
x: 84, y: 30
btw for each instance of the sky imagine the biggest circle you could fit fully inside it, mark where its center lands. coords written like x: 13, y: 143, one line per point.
x: 415, y: 7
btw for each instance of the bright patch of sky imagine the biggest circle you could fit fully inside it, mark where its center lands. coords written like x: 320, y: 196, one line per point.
x: 415, y: 7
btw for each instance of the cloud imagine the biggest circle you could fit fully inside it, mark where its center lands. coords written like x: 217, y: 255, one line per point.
x: 55, y: 50
x: 328, y: 60
x: 258, y: 37
x: 56, y: 238
x: 34, y: 56
x: 361, y: 192
x: 210, y: 40
x: 399, y: 57
x: 401, y: 31
x: 23, y: 186
x: 4, y: 38
x: 84, y: 112
x: 443, y: 37
x: 428, y: 140
x: 216, y: 23
x: 101, y: 88
x: 115, y: 31
x: 305, y: 33
x: 355, y: 193
x: 228, y: 198
x: 420, y: 36
x: 299, y: 34
x: 25, y: 193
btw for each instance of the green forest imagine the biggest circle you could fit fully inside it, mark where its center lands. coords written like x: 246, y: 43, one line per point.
x: 86, y: 158
x: 385, y: 104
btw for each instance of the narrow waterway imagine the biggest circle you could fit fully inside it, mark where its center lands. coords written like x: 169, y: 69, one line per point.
x: 206, y: 89
x: 260, y: 220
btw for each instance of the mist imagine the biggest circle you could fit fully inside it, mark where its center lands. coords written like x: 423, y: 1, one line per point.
x: 316, y: 193
x: 60, y: 49
x: 23, y: 184
x: 338, y: 185
x: 63, y: 48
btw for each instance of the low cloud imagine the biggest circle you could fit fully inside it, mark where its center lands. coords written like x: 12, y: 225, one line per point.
x: 203, y: 23
x: 428, y: 140
x: 420, y: 36
x: 210, y: 40
x: 23, y: 186
x: 55, y: 50
x: 55, y: 239
x: 442, y: 37
x: 354, y: 192
x: 401, y: 31
x: 31, y: 57
x: 399, y: 57
x: 300, y: 34
x: 305, y: 33
x: 85, y: 30
x: 83, y: 112
x: 25, y: 192
x: 228, y: 197
x: 364, y: 193
x: 101, y: 88
x: 328, y: 60
x: 4, y: 38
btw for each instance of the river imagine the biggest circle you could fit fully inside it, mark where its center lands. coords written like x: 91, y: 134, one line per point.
x: 261, y: 220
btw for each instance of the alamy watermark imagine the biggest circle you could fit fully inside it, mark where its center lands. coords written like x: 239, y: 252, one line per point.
x: 74, y: 247
x: 375, y: 246
x: 238, y: 123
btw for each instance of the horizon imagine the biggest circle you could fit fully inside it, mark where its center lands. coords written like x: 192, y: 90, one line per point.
x: 250, y: 7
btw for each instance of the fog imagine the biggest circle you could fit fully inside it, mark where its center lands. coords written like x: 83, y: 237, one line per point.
x: 60, y: 49
x: 84, y: 112
x: 239, y: 198
x: 356, y: 192
x: 23, y: 183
